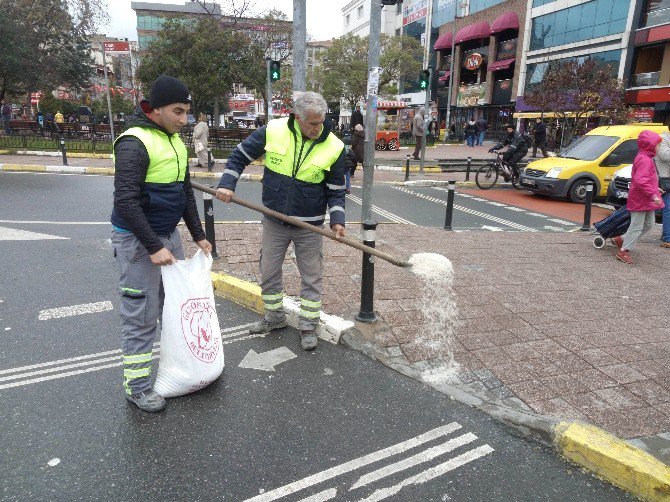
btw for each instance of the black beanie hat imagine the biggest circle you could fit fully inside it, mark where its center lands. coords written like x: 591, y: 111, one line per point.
x: 167, y: 90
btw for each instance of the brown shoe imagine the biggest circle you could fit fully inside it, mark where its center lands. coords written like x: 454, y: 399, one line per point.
x: 625, y: 257
x: 618, y: 242
x: 665, y: 244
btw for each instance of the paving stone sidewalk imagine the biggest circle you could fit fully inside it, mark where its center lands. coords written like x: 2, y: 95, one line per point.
x: 546, y: 321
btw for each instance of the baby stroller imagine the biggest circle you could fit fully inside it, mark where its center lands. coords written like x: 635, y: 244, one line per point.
x: 614, y: 225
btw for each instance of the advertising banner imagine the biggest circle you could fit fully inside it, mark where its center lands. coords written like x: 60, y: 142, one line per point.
x: 471, y: 95
x: 117, y: 47
x: 413, y: 10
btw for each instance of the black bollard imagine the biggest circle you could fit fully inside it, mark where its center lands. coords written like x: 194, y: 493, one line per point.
x: 62, y: 149
x: 210, y: 233
x: 210, y: 161
x: 467, y: 170
x: 587, y: 208
x: 407, y: 168
x: 367, y: 313
x: 450, y: 206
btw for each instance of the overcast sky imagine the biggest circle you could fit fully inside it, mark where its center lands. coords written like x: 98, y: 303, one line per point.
x: 324, y: 17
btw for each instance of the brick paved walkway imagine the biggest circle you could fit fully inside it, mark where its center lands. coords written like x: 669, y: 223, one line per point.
x: 543, y: 317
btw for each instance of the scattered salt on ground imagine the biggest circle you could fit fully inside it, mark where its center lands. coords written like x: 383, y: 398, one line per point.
x: 440, y: 312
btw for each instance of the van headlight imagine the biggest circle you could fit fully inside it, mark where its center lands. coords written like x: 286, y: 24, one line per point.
x: 554, y: 172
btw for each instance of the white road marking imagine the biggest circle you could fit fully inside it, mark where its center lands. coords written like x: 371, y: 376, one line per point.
x: 517, y: 209
x: 562, y: 222
x: 414, y: 460
x: 84, y: 308
x: 266, y: 361
x: 429, y: 474
x: 466, y: 195
x: 494, y: 203
x: 12, y: 234
x: 479, y: 199
x: 554, y: 229
x: 538, y: 215
x: 41, y: 222
x: 492, y: 229
x: 357, y: 463
x: 331, y: 493
x: 502, y: 221
x: 381, y: 212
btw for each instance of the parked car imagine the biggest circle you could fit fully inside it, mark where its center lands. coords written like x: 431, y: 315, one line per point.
x: 617, y: 191
x: 592, y: 159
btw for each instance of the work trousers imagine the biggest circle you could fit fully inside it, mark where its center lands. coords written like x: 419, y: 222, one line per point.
x: 309, y: 257
x: 141, y: 305
x: 640, y: 223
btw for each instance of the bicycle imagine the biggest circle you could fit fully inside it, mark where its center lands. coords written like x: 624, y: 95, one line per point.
x: 488, y: 174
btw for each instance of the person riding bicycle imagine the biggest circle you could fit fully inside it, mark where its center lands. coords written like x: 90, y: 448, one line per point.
x: 517, y: 148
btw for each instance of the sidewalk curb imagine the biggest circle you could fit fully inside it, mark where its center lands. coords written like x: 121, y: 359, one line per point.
x: 605, y: 455
x: 432, y: 183
x: 248, y: 295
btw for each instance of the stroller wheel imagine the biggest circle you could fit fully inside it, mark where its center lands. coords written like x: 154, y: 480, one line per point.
x: 598, y: 242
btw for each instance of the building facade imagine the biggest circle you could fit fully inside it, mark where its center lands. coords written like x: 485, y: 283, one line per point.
x: 356, y: 18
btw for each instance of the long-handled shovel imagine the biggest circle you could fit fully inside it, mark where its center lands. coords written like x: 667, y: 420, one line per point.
x: 298, y: 223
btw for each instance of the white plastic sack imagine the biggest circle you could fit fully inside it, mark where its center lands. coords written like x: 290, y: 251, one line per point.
x: 198, y: 146
x: 191, y: 350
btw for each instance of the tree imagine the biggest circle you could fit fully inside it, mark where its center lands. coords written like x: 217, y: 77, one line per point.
x: 120, y: 104
x: 575, y: 89
x: 344, y: 66
x: 45, y: 43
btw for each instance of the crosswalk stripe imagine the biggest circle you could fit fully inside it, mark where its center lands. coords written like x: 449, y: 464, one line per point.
x: 329, y: 494
x: 73, y: 310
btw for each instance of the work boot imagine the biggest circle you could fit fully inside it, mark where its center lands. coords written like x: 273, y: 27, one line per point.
x: 262, y: 327
x: 618, y: 242
x: 149, y: 401
x: 308, y: 339
x: 625, y: 257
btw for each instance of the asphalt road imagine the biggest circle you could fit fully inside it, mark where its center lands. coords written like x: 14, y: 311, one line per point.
x: 327, y: 425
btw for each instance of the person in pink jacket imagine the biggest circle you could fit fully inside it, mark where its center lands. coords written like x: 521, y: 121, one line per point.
x: 644, y: 196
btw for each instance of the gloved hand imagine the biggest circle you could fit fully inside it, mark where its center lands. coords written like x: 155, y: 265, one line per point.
x: 491, y: 150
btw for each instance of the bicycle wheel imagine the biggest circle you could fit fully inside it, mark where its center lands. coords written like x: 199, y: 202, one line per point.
x: 487, y: 176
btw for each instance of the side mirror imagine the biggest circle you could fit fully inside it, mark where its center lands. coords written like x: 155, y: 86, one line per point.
x: 611, y: 160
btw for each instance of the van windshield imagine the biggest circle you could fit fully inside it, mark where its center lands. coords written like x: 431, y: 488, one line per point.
x: 589, y: 147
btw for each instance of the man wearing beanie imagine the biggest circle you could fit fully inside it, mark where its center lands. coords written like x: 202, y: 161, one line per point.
x: 152, y: 193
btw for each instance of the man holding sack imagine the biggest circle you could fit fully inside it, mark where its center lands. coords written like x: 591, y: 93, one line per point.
x: 152, y: 193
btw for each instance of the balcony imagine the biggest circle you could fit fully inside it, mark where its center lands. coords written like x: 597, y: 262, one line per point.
x: 656, y: 17
x: 646, y: 79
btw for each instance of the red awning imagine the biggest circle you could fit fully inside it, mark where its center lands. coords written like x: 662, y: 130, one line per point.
x: 477, y: 31
x: 444, y: 41
x: 390, y: 105
x: 503, y: 64
x: 508, y: 21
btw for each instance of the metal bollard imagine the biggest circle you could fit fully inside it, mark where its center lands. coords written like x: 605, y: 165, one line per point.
x: 210, y: 161
x: 407, y: 168
x: 62, y: 149
x: 210, y: 233
x: 587, y: 208
x: 467, y: 170
x: 450, y: 205
x: 367, y: 313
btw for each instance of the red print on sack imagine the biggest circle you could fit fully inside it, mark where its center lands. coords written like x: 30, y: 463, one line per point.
x: 196, y: 326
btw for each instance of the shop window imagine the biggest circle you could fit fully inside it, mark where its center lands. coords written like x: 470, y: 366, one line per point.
x: 647, y: 68
x: 360, y: 12
x: 657, y: 12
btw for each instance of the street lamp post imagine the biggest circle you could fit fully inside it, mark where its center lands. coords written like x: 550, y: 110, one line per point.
x: 447, y: 126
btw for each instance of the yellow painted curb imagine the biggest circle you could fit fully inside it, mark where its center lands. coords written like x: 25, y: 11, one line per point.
x: 242, y: 292
x: 415, y: 169
x: 256, y: 177
x: 23, y: 167
x: 6, y: 152
x: 81, y: 155
x: 100, y: 170
x: 206, y: 175
x: 614, y: 460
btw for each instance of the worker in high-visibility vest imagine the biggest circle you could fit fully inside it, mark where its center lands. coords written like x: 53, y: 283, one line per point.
x: 303, y: 178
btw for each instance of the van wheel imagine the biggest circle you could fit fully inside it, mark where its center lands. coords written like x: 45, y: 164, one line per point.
x: 577, y: 192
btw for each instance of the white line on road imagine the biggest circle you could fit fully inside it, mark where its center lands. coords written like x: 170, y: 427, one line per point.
x: 12, y: 234
x: 84, y: 308
x: 414, y: 460
x: 539, y: 215
x: 381, y: 212
x: 41, y: 222
x: 432, y: 473
x: 563, y: 222
x: 357, y: 463
x: 321, y: 496
x: 494, y: 203
x: 517, y: 209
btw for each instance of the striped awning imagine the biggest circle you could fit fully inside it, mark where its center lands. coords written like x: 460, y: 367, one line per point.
x: 390, y: 105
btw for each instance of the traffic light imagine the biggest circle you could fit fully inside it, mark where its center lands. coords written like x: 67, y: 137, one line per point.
x: 275, y: 71
x: 424, y: 80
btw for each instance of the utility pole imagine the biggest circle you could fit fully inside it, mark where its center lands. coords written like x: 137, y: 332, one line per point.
x: 426, y: 64
x: 299, y: 42
x: 109, y: 101
x: 447, y: 127
x: 371, y: 108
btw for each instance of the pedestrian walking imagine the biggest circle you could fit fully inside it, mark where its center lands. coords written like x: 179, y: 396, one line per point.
x: 644, y: 195
x: 201, y: 140
x: 152, y: 193
x: 482, y: 126
x: 663, y: 166
x: 539, y: 137
x: 356, y: 118
x: 358, y: 143
x: 471, y: 133
x: 303, y: 178
x: 58, y: 118
x: 258, y: 122
x: 6, y: 112
x: 418, y: 128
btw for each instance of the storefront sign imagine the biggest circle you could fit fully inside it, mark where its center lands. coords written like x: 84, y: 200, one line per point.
x: 641, y: 114
x: 473, y: 61
x: 507, y: 49
x: 471, y: 95
x: 413, y: 10
x: 116, y: 47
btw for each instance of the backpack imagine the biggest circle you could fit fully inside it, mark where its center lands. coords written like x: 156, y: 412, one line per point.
x: 350, y: 161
